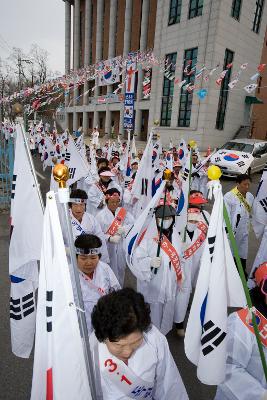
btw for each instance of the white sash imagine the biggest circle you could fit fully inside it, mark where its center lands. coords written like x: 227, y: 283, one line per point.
x: 122, y: 377
x: 77, y: 226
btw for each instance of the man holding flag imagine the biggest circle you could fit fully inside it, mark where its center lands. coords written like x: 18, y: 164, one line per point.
x: 239, y: 206
x: 245, y: 378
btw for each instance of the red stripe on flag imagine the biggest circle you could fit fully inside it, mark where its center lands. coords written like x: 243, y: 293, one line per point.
x: 49, y: 384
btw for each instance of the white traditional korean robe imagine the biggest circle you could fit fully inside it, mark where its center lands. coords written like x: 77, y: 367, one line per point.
x: 116, y: 252
x: 102, y: 283
x: 244, y: 373
x: 96, y: 196
x: 89, y: 224
x: 260, y: 258
x: 160, y: 290
x: 152, y: 362
x: 241, y: 227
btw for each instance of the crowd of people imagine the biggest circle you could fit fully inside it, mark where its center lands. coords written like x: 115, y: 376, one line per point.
x: 127, y: 327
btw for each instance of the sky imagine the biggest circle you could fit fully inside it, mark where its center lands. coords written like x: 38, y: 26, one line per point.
x: 24, y: 22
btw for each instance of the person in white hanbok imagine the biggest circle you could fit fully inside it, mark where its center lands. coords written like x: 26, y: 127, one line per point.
x: 96, y: 277
x: 261, y: 256
x: 115, y: 222
x: 159, y: 277
x: 239, y: 204
x: 96, y: 190
x: 131, y: 357
x: 245, y: 378
x: 95, y: 137
x: 83, y: 222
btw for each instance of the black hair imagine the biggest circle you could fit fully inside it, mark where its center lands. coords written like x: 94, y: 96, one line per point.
x: 87, y: 241
x: 120, y: 313
x: 242, y: 177
x: 78, y: 194
x: 102, y: 160
x: 103, y: 169
x: 111, y: 191
x: 195, y: 191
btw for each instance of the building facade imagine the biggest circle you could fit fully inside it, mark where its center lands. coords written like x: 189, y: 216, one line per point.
x: 258, y: 129
x: 189, y: 34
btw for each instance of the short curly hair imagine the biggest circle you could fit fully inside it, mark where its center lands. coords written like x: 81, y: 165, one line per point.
x: 120, y: 313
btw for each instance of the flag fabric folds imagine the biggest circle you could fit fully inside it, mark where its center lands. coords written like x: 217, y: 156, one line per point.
x: 76, y: 164
x: 59, y: 370
x: 24, y: 250
x: 181, y: 211
x: 218, y: 287
x: 142, y: 226
x: 259, y: 214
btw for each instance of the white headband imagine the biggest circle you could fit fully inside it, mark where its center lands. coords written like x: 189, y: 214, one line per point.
x: 88, y: 252
x: 79, y: 201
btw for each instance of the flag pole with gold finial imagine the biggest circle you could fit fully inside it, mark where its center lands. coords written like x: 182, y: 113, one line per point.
x: 214, y: 173
x: 61, y: 175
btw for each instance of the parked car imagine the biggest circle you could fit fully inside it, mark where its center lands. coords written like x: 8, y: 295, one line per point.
x: 240, y: 156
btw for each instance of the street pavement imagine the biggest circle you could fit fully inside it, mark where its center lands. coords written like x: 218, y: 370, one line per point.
x: 15, y: 373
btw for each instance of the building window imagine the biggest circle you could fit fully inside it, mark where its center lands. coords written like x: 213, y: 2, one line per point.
x: 167, y: 93
x: 258, y: 15
x: 228, y: 59
x: 195, y: 8
x: 175, y: 11
x: 236, y: 8
x: 186, y: 97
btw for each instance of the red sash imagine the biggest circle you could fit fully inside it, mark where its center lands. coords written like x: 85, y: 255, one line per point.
x: 190, y: 251
x: 171, y: 252
x: 261, y: 322
x: 116, y: 223
x: 101, y: 187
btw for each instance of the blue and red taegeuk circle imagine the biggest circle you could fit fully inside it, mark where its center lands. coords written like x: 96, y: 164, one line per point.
x: 231, y: 157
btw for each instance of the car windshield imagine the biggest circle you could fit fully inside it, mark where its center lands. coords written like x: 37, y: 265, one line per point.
x: 245, y: 147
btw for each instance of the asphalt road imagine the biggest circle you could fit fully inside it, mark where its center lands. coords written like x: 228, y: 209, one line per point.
x: 15, y: 373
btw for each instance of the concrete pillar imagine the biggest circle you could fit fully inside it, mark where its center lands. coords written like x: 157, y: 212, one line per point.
x: 127, y: 27
x: 126, y: 47
x: 112, y: 33
x: 85, y: 122
x: 67, y: 36
x: 67, y: 52
x: 142, y: 47
x: 76, y: 45
x: 76, y: 60
x: 96, y: 119
x: 87, y: 46
x: 75, y: 121
x: 99, y: 46
x: 87, y: 28
x: 108, y: 120
x: 111, y: 53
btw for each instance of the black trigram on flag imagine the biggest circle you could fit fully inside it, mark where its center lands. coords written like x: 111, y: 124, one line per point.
x: 211, y: 241
x: 22, y: 307
x: 144, y: 186
x: 245, y: 155
x: 240, y: 163
x: 67, y: 156
x: 212, y: 337
x: 14, y: 179
x: 263, y: 203
x: 49, y: 299
x: 185, y: 174
x: 72, y: 172
x: 217, y: 159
